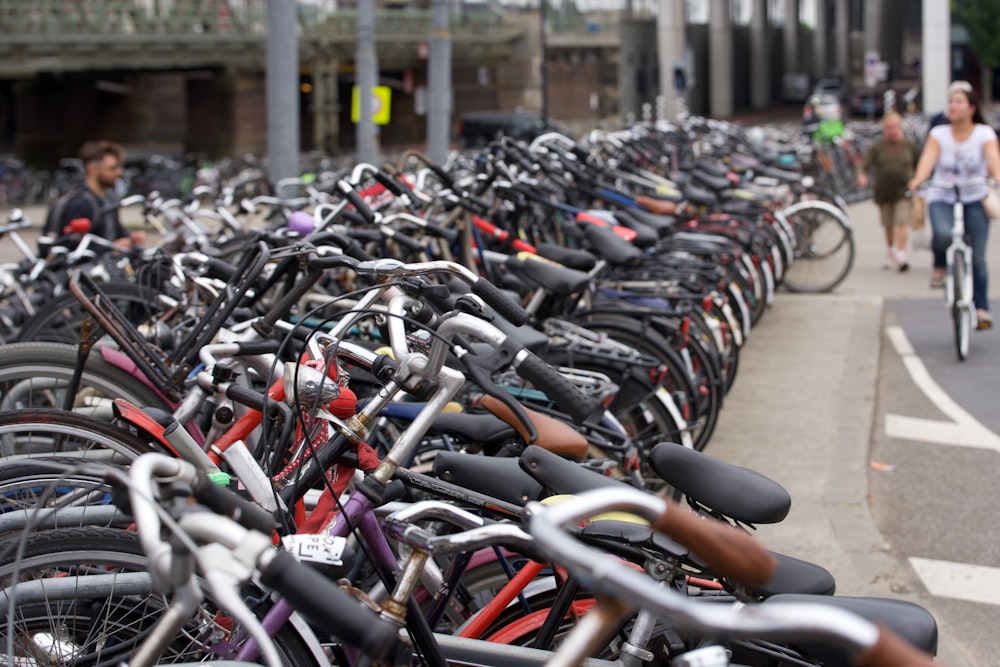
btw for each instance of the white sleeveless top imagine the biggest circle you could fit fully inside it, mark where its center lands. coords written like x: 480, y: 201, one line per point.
x: 959, y: 161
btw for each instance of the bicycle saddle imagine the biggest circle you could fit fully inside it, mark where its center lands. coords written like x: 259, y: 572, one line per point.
x: 501, y: 478
x: 554, y: 437
x: 796, y: 576
x: 910, y: 621
x: 711, y: 181
x: 471, y: 427
x: 625, y: 539
x: 663, y: 224
x: 699, y: 196
x: 573, y: 258
x: 559, y: 279
x: 738, y: 493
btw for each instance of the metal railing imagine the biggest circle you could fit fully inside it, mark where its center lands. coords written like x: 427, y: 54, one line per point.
x: 68, y: 18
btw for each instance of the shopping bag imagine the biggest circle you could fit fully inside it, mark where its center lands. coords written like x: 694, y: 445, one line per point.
x: 920, y: 237
x: 918, y: 212
x: 991, y: 204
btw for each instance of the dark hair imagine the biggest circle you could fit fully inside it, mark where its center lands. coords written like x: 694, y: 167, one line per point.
x: 970, y: 94
x: 95, y: 151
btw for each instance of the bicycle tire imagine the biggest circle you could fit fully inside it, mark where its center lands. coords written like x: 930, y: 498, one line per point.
x: 824, y: 248
x: 35, y: 375
x: 45, y: 482
x: 39, y: 432
x: 704, y: 403
x: 122, y: 620
x: 961, y: 309
x: 59, y: 320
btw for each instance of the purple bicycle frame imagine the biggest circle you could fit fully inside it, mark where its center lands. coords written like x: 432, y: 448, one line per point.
x: 358, y: 511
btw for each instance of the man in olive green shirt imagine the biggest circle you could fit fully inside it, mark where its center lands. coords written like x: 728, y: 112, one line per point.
x: 892, y: 159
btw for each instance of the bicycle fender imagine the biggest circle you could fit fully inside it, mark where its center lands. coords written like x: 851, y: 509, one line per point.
x: 144, y: 422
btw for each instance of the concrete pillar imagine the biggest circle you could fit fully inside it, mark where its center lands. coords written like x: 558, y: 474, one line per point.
x: 873, y: 22
x: 790, y: 36
x: 282, y: 90
x: 720, y: 55
x: 935, y: 56
x: 842, y: 40
x: 760, y: 60
x: 366, y: 61
x: 439, y: 87
x: 326, y: 116
x: 670, y: 41
x: 821, y: 67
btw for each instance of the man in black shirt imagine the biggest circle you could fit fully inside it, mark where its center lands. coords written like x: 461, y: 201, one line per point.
x: 102, y: 162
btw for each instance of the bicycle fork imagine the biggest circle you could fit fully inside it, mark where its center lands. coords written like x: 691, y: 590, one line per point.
x: 960, y: 295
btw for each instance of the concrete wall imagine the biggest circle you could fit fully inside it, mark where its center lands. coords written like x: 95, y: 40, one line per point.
x: 51, y: 116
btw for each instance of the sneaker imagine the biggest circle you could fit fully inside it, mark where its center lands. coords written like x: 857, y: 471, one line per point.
x: 890, y: 259
x: 984, y: 320
x: 903, y: 265
x: 937, y: 280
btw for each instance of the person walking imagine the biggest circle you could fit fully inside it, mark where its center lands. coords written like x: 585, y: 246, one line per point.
x: 964, y: 148
x: 891, y: 160
x: 94, y: 200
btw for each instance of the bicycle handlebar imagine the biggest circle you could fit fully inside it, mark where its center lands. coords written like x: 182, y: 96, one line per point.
x: 873, y: 646
x: 308, y: 590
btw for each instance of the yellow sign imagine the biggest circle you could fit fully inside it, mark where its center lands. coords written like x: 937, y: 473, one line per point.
x: 381, y: 100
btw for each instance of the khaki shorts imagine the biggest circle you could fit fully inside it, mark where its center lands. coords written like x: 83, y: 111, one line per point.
x: 896, y: 214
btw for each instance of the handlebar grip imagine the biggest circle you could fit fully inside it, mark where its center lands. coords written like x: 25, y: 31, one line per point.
x: 500, y: 302
x: 248, y: 397
x: 547, y: 379
x: 312, y: 594
x: 396, y: 186
x: 259, y: 347
x: 405, y: 241
x: 221, y: 500
x: 892, y: 650
x: 217, y: 268
x: 358, y: 201
x: 727, y: 550
x: 446, y: 233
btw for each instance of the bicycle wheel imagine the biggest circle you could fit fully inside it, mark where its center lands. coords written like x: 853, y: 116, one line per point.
x: 702, y: 400
x: 59, y: 320
x: 72, y: 625
x: 824, y: 248
x: 35, y: 375
x: 45, y: 482
x: 41, y: 431
x: 961, y: 306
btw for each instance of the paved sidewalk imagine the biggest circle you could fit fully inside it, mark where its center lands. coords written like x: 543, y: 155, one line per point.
x: 802, y: 412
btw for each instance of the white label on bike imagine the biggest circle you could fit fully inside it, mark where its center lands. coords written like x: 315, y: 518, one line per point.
x: 325, y: 549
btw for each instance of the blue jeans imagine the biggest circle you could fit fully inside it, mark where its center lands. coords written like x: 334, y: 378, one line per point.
x: 977, y: 232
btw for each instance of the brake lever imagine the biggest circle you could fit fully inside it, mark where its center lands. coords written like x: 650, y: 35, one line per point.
x: 482, y: 378
x: 481, y: 369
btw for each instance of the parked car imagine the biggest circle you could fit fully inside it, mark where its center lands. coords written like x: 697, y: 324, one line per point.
x: 832, y: 86
x: 477, y: 128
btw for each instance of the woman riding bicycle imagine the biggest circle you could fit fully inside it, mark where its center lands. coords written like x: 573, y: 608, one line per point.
x: 964, y: 149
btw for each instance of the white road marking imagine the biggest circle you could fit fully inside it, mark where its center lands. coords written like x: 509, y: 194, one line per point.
x: 964, y: 430
x: 960, y: 581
